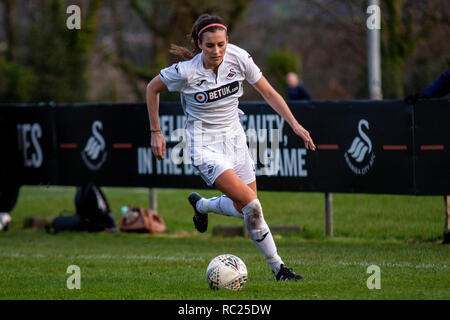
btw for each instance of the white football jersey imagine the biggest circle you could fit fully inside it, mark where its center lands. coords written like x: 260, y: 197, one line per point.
x: 207, y: 97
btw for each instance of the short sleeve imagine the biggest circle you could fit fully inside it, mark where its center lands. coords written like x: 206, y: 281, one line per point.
x: 173, y: 77
x: 252, y: 72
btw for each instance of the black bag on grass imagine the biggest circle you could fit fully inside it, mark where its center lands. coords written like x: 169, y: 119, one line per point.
x: 92, y: 212
x: 90, y: 201
x: 66, y: 223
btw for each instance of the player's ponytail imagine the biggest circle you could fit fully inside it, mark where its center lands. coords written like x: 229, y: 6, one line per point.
x: 203, y: 21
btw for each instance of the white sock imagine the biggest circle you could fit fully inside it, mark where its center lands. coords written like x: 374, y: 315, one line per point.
x: 259, y: 232
x: 221, y: 205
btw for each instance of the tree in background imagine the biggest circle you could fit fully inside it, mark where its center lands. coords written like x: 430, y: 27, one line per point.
x: 16, y: 80
x: 406, y: 24
x: 52, y: 62
x: 168, y: 22
x: 134, y: 38
x: 279, y: 63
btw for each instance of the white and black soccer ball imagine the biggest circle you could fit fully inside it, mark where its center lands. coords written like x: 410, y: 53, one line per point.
x: 226, y: 271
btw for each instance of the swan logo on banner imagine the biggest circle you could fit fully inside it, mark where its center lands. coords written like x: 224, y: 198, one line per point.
x: 94, y: 154
x: 359, y: 156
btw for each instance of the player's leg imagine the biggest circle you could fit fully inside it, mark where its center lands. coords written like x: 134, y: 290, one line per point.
x: 244, y: 167
x: 222, y: 205
x: 245, y: 198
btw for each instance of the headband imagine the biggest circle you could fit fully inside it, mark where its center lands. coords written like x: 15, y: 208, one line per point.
x: 211, y: 25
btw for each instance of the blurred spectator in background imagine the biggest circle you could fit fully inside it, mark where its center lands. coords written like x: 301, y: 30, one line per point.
x: 295, y: 91
x: 439, y: 88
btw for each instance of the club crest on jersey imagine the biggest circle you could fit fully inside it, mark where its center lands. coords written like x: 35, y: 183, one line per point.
x: 231, y: 74
x: 218, y: 93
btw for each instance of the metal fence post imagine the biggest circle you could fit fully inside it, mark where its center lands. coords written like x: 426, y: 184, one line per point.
x: 328, y: 214
x: 446, y: 236
x: 153, y: 199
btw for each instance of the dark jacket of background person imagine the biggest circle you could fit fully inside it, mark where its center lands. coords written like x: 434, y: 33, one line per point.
x: 295, y: 91
x: 439, y: 88
x: 298, y: 93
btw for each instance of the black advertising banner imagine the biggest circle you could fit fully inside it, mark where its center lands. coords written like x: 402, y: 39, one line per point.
x: 432, y: 146
x: 110, y: 144
x: 281, y: 158
x: 362, y: 146
x: 35, y: 159
x: 97, y: 143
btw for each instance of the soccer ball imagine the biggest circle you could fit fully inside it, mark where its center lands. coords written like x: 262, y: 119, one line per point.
x: 226, y: 271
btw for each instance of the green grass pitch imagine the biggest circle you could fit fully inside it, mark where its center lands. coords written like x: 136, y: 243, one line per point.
x: 400, y: 234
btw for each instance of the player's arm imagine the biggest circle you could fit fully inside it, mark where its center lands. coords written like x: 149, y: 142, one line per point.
x: 273, y: 98
x: 158, y: 143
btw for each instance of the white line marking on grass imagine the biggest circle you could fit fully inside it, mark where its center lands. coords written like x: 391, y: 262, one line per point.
x: 383, y: 264
x: 397, y: 265
x: 104, y: 256
x: 200, y: 259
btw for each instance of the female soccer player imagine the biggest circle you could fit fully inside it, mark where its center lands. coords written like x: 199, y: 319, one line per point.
x: 210, y: 84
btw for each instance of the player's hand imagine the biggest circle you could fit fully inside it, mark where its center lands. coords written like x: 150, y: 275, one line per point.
x: 158, y: 145
x: 304, y: 134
